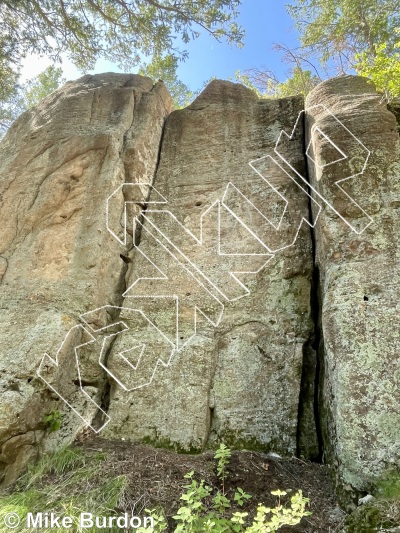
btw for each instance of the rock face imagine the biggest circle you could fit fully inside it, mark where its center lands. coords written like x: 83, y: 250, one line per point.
x: 357, y: 254
x: 199, y: 276
x: 59, y: 163
x: 239, y: 378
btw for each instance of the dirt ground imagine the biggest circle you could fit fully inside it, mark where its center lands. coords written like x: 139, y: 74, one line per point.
x: 156, y: 480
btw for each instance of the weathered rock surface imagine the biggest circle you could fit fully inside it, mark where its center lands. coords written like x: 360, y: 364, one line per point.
x: 357, y: 254
x: 58, y: 164
x: 238, y: 380
x: 191, y: 300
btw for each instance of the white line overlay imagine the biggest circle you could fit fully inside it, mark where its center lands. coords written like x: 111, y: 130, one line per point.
x: 182, y: 250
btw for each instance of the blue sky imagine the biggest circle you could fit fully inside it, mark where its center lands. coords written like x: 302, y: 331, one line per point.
x: 265, y: 22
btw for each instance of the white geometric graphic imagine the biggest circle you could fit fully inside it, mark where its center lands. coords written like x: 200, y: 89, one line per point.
x: 179, y: 259
x: 143, y: 375
x: 314, y: 131
x: 137, y: 196
x: 48, y: 362
x: 263, y: 234
x: 344, y: 137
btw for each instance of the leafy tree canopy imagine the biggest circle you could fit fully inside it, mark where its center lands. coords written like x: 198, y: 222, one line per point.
x: 41, y: 86
x: 344, y: 28
x: 383, y: 69
x: 122, y: 31
x: 118, y: 30
x: 8, y: 96
x: 266, y: 85
x: 165, y: 69
x: 361, y: 36
x: 19, y: 98
x: 358, y: 34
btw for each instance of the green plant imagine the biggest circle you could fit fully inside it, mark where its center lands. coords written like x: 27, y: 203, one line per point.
x: 222, y: 455
x: 160, y: 523
x: 67, y: 482
x: 241, y: 496
x: 280, y: 515
x: 53, y: 421
x: 383, y: 512
x: 388, y: 488
x: 206, y: 510
x: 71, y: 481
x: 193, y: 518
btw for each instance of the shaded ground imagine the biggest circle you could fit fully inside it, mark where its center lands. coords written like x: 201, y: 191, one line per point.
x: 156, y: 480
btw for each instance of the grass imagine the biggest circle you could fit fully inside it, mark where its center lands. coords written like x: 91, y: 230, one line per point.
x: 381, y: 513
x: 389, y: 487
x: 66, y: 482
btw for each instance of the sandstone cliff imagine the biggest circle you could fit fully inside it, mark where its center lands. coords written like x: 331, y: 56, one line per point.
x: 357, y: 255
x: 228, y: 271
x: 59, y: 163
x: 239, y: 377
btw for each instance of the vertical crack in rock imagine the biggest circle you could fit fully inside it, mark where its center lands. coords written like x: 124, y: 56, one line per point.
x: 394, y: 107
x: 57, y: 259
x: 127, y: 260
x: 99, y: 418
x: 309, y: 439
x: 104, y: 390
x: 309, y: 443
x: 241, y: 377
x: 138, y: 233
x: 126, y: 256
x: 357, y: 255
x: 3, y: 268
x: 104, y: 396
x: 316, y: 356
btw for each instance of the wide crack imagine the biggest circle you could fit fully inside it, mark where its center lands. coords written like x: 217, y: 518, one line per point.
x: 309, y: 434
x: 98, y: 420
